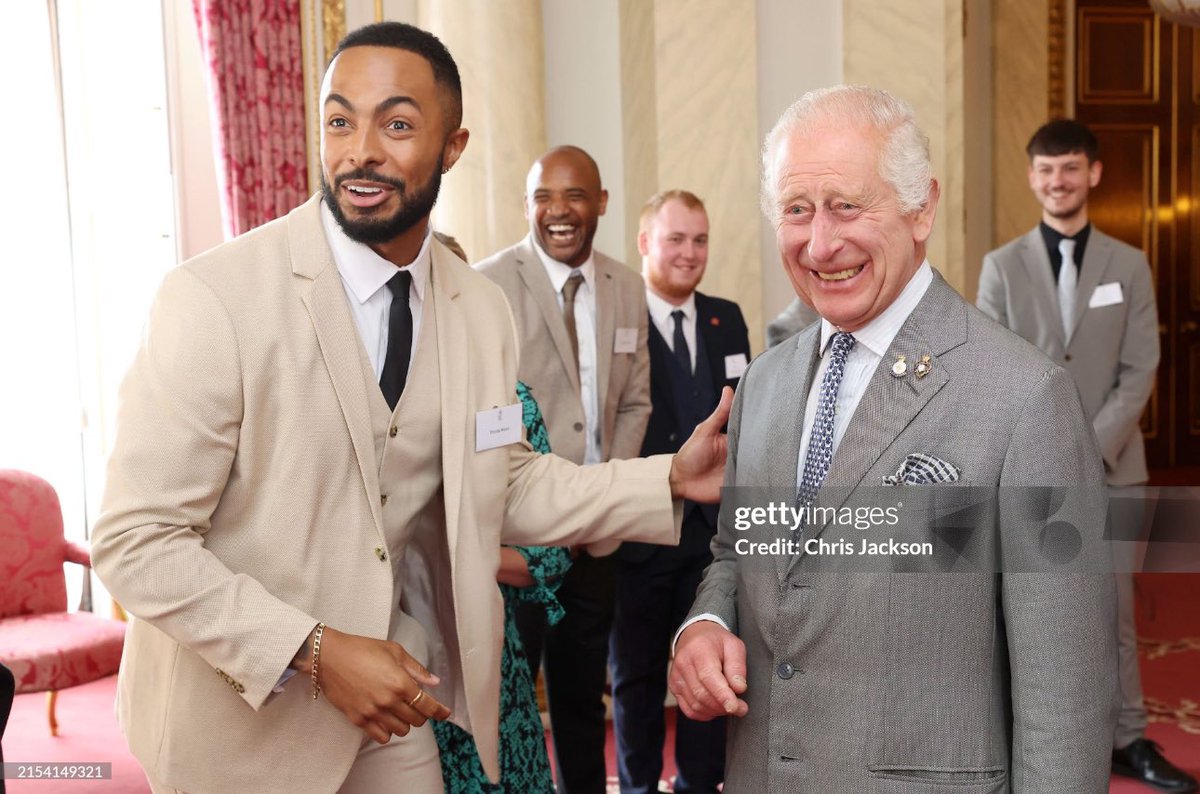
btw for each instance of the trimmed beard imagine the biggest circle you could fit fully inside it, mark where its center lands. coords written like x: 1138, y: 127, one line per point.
x: 414, y: 207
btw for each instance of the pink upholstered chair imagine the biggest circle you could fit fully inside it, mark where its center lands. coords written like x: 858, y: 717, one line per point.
x: 46, y: 647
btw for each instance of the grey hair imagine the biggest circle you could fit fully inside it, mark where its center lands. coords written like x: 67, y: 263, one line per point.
x: 903, y: 160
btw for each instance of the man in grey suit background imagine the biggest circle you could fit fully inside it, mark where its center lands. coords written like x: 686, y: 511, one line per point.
x: 1087, y: 301
x: 583, y: 326
x: 796, y: 317
x: 841, y: 680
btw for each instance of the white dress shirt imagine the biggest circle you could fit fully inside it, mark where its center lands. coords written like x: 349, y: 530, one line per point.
x: 872, y: 341
x: 365, y: 276
x: 660, y: 315
x: 585, y: 332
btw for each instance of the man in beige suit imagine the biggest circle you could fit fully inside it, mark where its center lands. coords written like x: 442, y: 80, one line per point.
x: 582, y: 321
x: 315, y: 468
x: 1087, y: 301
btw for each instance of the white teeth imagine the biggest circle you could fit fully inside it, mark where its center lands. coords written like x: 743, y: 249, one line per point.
x: 364, y: 190
x: 559, y: 228
x: 841, y: 275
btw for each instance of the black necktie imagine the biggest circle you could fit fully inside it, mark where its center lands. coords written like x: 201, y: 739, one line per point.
x: 399, y: 347
x: 682, y: 353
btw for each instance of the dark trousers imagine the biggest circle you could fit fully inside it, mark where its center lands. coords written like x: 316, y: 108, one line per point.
x: 8, y: 688
x: 574, y: 655
x: 653, y: 599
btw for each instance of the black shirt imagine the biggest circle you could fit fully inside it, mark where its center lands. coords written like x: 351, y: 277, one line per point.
x: 1052, y: 237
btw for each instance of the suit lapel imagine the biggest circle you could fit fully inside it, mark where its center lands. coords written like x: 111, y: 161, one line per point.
x: 712, y: 340
x: 790, y: 397
x: 321, y: 291
x: 533, y: 275
x: 1096, y: 259
x: 605, y: 309
x: 453, y: 369
x: 1041, y: 278
x: 660, y: 381
x: 890, y: 404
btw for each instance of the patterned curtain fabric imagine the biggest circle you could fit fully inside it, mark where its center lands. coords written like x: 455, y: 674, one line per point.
x: 256, y: 89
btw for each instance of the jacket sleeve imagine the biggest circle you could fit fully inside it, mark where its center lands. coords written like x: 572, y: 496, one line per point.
x: 179, y: 417
x: 1137, y: 366
x: 633, y: 409
x: 991, y: 298
x: 717, y: 593
x: 1060, y: 619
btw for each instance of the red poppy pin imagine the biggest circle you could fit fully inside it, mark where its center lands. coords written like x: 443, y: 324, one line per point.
x: 715, y: 320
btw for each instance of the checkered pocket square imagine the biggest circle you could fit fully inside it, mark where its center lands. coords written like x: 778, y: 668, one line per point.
x: 921, y: 469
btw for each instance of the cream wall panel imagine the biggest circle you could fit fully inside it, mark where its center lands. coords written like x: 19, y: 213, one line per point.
x: 639, y: 116
x: 914, y: 49
x: 583, y: 104
x: 1020, y: 97
x: 705, y: 84
x: 799, y: 49
x: 498, y: 47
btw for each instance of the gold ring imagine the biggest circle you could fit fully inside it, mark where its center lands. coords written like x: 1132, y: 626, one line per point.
x: 420, y: 694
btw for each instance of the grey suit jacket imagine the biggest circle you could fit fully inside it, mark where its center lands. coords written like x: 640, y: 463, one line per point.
x: 796, y: 317
x: 907, y: 682
x: 548, y: 365
x: 1114, y: 350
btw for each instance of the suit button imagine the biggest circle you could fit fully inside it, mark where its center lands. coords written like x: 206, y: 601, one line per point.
x: 578, y: 426
x: 671, y: 437
x: 383, y: 500
x: 785, y: 671
x: 392, y: 431
x: 1068, y: 356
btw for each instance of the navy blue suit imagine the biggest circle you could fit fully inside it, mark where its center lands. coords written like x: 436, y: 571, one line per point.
x: 655, y: 585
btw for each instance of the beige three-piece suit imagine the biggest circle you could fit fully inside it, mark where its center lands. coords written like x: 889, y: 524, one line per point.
x: 259, y: 484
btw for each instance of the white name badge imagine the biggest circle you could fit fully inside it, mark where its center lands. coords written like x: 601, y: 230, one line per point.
x: 625, y: 341
x: 735, y: 365
x: 1106, y: 295
x: 497, y: 427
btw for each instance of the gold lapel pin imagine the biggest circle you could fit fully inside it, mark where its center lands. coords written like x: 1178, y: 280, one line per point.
x: 900, y: 367
x: 923, y: 367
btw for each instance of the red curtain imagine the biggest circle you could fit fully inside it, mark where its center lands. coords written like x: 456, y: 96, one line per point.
x: 255, y: 76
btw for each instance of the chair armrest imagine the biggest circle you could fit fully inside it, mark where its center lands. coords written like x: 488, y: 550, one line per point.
x: 77, y: 553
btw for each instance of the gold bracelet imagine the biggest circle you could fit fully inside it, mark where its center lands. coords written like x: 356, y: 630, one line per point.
x: 316, y: 658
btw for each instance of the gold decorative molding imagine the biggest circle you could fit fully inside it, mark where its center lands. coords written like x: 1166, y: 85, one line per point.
x: 1185, y: 715
x: 1056, y: 57
x: 322, y: 26
x: 333, y: 23
x: 1157, y: 649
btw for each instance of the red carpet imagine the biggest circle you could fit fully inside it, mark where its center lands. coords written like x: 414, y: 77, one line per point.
x: 1168, y: 623
x: 87, y: 732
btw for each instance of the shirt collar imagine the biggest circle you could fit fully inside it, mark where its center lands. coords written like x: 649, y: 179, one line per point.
x: 878, y: 334
x: 660, y: 310
x: 365, y: 271
x: 560, y: 272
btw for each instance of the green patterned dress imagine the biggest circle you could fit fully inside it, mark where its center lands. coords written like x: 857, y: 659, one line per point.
x: 524, y: 766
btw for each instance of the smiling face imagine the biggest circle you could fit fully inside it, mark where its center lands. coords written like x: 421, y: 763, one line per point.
x: 844, y: 243
x: 1061, y: 184
x: 674, y: 250
x: 384, y: 145
x: 563, y: 203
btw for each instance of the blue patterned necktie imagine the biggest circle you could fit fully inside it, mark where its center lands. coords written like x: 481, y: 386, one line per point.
x: 820, y: 441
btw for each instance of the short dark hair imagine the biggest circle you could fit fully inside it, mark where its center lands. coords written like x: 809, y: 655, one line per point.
x: 1064, y: 136
x: 420, y: 42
